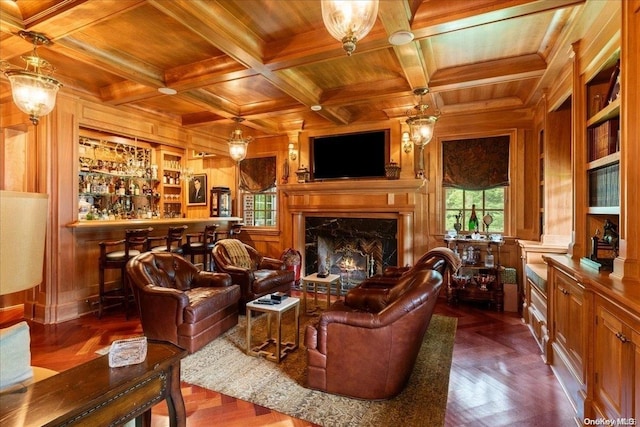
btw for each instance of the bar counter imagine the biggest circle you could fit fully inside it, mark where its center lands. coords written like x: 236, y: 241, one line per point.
x: 141, y: 223
x: 80, y: 276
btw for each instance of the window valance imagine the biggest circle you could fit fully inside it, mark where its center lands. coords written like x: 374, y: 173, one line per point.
x: 476, y: 164
x: 257, y: 174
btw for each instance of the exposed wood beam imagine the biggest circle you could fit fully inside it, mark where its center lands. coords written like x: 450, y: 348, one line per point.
x: 227, y: 33
x: 395, y: 16
x: 119, y: 63
x: 434, y: 18
x: 490, y: 72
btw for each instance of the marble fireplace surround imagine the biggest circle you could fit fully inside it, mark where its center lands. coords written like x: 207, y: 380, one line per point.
x: 402, y: 200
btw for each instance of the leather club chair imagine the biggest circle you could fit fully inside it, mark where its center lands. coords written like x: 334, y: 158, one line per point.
x: 256, y: 274
x: 179, y: 303
x: 370, y: 354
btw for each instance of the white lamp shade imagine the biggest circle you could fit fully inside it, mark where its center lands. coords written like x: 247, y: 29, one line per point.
x: 238, y: 150
x: 34, y: 94
x: 422, y: 129
x: 23, y: 224
x: 349, y: 17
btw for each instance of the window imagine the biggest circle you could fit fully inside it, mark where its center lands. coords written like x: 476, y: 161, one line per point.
x: 484, y: 184
x: 260, y: 209
x: 459, y: 202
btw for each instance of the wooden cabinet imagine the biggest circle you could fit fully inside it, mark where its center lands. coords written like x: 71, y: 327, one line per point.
x: 569, y: 319
x: 171, y: 194
x: 616, y: 362
x: 595, y: 340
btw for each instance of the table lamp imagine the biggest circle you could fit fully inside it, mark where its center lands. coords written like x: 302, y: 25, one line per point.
x: 23, y: 224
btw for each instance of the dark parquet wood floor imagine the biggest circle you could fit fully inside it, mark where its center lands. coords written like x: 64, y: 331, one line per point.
x: 497, y: 377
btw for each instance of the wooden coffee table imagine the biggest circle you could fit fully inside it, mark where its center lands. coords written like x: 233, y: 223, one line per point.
x: 282, y: 348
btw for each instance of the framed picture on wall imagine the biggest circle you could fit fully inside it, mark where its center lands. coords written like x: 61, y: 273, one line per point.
x: 198, y: 190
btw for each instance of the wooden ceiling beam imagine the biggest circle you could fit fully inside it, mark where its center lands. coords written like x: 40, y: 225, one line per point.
x: 490, y: 72
x: 396, y: 16
x: 434, y: 18
x: 119, y: 63
x: 227, y: 33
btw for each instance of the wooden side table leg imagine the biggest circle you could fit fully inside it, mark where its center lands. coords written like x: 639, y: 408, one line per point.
x: 175, y: 402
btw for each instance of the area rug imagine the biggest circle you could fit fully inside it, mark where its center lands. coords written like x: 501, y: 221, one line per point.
x: 224, y: 367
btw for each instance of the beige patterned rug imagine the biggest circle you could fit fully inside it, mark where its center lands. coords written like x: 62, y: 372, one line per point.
x: 224, y: 367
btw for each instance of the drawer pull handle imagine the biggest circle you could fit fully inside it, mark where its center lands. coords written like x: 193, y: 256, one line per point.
x: 564, y: 291
x: 621, y: 337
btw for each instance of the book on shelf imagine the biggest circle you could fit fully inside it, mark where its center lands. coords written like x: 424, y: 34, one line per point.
x: 604, y: 186
x: 603, y: 139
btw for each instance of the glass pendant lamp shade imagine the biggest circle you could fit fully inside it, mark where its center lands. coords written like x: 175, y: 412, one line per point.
x: 238, y: 144
x: 349, y: 20
x: 422, y: 129
x: 34, y: 90
x: 34, y: 94
x: 421, y: 124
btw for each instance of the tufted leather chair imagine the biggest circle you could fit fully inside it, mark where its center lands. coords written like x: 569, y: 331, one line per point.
x: 371, y: 354
x: 179, y: 303
x: 266, y: 275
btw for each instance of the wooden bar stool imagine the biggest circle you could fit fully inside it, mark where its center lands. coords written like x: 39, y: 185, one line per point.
x: 172, y: 241
x: 115, y: 255
x: 202, y: 244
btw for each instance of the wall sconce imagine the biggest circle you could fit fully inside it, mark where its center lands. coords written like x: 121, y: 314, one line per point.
x: 293, y: 155
x: 406, y: 142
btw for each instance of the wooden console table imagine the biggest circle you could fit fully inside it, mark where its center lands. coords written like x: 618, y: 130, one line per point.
x: 94, y: 394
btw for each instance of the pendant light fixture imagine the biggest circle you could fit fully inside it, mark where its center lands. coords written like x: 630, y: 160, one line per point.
x: 238, y: 144
x: 349, y: 20
x: 421, y: 124
x: 34, y: 90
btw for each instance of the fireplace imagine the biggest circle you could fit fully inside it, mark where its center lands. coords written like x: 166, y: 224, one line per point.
x: 354, y: 248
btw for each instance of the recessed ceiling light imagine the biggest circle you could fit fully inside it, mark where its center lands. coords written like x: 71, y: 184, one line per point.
x: 167, y: 91
x: 316, y: 107
x: 401, y: 37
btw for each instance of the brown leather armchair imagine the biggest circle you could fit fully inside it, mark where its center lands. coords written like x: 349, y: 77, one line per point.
x: 256, y: 274
x: 180, y: 304
x: 370, y: 355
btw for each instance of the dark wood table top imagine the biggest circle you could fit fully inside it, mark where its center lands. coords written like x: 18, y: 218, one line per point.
x: 91, y: 385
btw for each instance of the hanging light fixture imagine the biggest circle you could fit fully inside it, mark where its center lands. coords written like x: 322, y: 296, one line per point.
x: 238, y: 144
x: 34, y: 90
x: 349, y: 20
x: 421, y: 124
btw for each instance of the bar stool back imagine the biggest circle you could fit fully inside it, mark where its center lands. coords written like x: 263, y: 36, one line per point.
x: 172, y: 241
x: 115, y: 255
x: 202, y: 244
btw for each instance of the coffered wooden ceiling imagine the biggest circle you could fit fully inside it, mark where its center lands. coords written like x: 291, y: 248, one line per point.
x: 269, y: 61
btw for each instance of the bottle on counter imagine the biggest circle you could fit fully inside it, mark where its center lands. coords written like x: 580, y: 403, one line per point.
x: 473, y: 219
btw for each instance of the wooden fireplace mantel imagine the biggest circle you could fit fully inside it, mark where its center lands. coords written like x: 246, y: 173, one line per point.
x: 356, y: 196
x: 403, y: 199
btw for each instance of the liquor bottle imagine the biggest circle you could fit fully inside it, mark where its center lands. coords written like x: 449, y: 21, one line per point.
x: 473, y: 219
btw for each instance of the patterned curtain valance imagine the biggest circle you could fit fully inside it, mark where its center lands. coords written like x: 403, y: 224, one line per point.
x: 476, y: 164
x: 257, y: 174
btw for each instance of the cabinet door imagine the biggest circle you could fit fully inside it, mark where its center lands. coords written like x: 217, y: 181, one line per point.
x: 609, y: 364
x: 570, y: 321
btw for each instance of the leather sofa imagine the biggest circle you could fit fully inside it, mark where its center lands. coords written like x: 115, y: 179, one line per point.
x: 257, y: 276
x: 373, y: 293
x: 179, y: 303
x: 358, y: 351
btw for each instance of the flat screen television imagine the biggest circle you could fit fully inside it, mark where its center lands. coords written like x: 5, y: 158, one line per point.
x: 353, y: 155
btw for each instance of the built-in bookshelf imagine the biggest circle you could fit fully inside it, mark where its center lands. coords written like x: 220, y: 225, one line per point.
x: 603, y: 158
